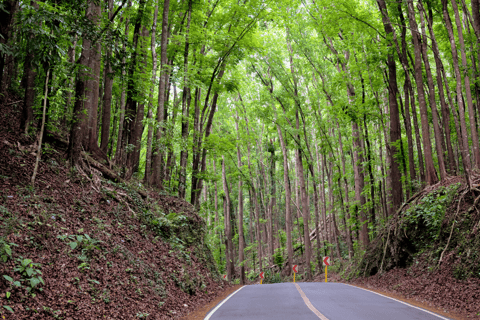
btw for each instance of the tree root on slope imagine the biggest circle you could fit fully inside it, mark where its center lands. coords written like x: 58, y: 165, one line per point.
x: 453, y: 224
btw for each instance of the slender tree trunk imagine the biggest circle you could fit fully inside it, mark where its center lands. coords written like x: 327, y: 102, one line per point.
x: 288, y: 214
x: 395, y: 128
x: 241, y: 239
x: 433, y: 104
x: 82, y: 99
x: 431, y: 174
x: 359, y: 183
x: 40, y: 135
x: 153, y: 48
x: 464, y: 146
x: 228, y: 227
x: 6, y: 21
x: 445, y: 113
x: 253, y: 188
x: 93, y: 86
x: 409, y: 88
x: 347, y: 200
x: 107, y: 94
x: 120, y: 152
x: 30, y: 73
x: 216, y: 195
x: 466, y: 78
x: 132, y: 109
x: 186, y: 98
x: 157, y: 170
x: 305, y: 209
x: 272, y: 198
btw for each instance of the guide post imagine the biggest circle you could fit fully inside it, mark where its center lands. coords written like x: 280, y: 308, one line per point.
x: 326, y: 262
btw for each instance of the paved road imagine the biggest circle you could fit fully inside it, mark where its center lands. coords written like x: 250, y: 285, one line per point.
x: 313, y: 301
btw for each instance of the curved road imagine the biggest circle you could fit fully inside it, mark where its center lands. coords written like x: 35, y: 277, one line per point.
x: 313, y: 301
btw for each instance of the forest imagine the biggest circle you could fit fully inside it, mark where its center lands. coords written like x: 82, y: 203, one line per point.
x: 296, y: 129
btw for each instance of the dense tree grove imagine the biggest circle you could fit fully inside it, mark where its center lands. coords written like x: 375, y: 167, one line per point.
x: 296, y: 128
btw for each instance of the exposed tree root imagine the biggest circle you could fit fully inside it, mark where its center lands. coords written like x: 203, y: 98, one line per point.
x: 385, y: 251
x: 108, y: 173
x: 453, y: 225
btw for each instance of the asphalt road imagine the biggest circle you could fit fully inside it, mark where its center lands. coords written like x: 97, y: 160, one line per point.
x: 313, y: 301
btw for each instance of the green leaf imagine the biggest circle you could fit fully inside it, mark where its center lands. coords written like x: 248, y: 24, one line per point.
x: 73, y: 245
x: 26, y: 262
x: 8, y: 294
x: 17, y: 283
x: 29, y: 271
x: 34, y: 282
x: 171, y: 216
x: 9, y: 279
x: 8, y: 308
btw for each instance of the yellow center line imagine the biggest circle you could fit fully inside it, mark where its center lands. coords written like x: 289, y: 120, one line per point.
x: 309, y: 304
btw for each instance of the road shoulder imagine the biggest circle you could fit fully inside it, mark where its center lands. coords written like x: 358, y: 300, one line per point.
x: 420, y: 304
x: 202, y: 312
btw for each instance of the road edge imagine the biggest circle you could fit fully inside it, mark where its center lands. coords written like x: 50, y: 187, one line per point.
x: 403, y: 302
x: 221, y: 303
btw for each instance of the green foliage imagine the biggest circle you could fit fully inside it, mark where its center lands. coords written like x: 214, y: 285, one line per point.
x: 427, y: 216
x: 83, y: 242
x: 30, y: 275
x: 278, y: 258
x: 252, y: 275
x: 272, y: 277
x: 6, y: 249
x: 8, y: 308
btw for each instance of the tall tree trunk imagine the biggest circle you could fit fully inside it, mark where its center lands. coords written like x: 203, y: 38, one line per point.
x: 131, y: 135
x: 433, y: 104
x: 464, y: 146
x: 359, y: 183
x: 216, y: 194
x: 93, y: 89
x: 153, y: 48
x: 82, y: 98
x: 347, y: 200
x: 272, y: 198
x: 445, y: 113
x: 107, y: 94
x: 253, y: 188
x: 186, y: 98
x: 241, y: 239
x: 305, y: 209
x: 431, y: 174
x: 157, y: 170
x: 30, y: 73
x: 409, y: 88
x: 395, y: 128
x: 466, y: 78
x: 6, y: 21
x: 288, y: 214
x: 228, y: 227
x: 120, y: 152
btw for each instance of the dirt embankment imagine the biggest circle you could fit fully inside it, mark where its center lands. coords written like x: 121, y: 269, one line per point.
x: 101, y: 250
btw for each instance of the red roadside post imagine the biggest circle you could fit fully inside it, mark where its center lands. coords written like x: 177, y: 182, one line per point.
x: 294, y: 272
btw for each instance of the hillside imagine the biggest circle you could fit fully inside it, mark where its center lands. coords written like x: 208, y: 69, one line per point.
x: 100, y: 249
